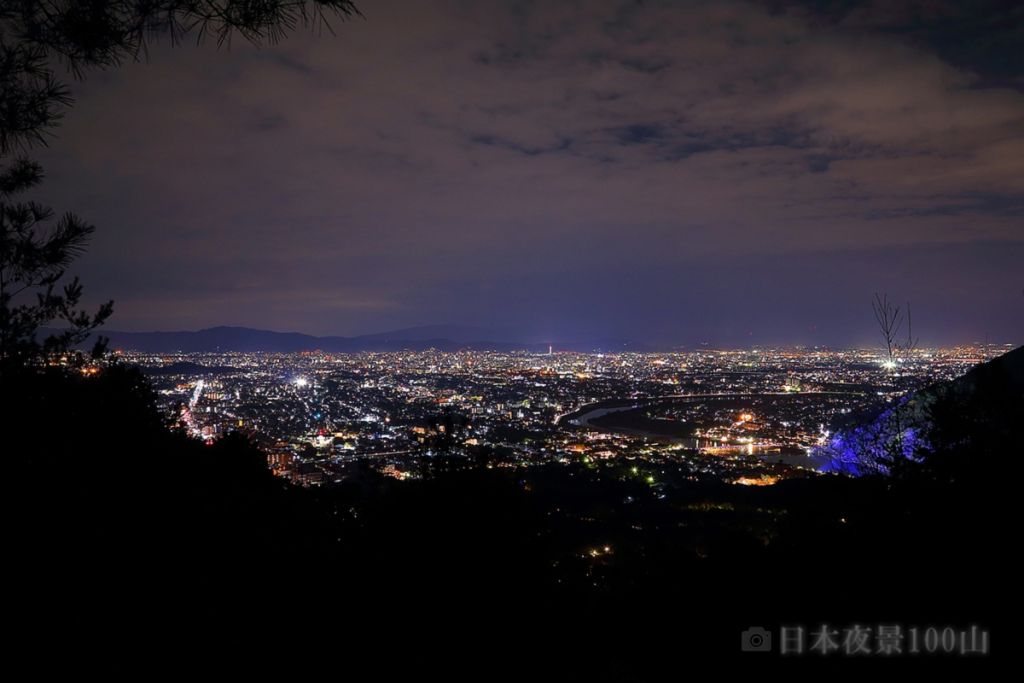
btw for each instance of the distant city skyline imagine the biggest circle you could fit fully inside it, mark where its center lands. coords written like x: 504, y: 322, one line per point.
x: 727, y: 172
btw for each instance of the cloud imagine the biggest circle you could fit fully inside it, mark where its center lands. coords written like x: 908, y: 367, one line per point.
x: 453, y: 146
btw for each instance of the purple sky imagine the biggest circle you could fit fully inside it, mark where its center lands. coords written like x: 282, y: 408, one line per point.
x: 737, y: 173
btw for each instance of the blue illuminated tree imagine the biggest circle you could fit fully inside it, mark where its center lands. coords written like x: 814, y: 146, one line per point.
x: 882, y: 444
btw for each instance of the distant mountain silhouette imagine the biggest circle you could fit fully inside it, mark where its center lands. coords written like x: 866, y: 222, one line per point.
x: 440, y: 337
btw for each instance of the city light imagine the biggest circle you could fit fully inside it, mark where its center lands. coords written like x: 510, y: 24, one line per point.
x: 721, y: 414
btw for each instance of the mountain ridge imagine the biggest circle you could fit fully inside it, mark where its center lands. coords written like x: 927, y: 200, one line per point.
x: 225, y: 338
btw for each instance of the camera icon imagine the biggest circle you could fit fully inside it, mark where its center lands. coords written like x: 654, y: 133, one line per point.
x: 756, y: 639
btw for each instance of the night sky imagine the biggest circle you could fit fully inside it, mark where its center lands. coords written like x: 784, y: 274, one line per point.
x: 732, y: 173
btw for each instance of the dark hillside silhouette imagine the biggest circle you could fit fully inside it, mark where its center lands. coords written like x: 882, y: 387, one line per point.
x: 168, y: 536
x: 974, y: 422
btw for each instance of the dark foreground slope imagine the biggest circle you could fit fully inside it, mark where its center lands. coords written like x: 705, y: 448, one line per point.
x: 131, y: 546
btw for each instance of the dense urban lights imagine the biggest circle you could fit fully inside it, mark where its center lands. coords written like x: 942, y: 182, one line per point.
x: 748, y: 416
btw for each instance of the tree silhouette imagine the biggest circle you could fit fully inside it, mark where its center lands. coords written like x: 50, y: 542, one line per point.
x: 35, y: 37
x: 891, y: 320
x: 885, y: 442
x: 33, y: 261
